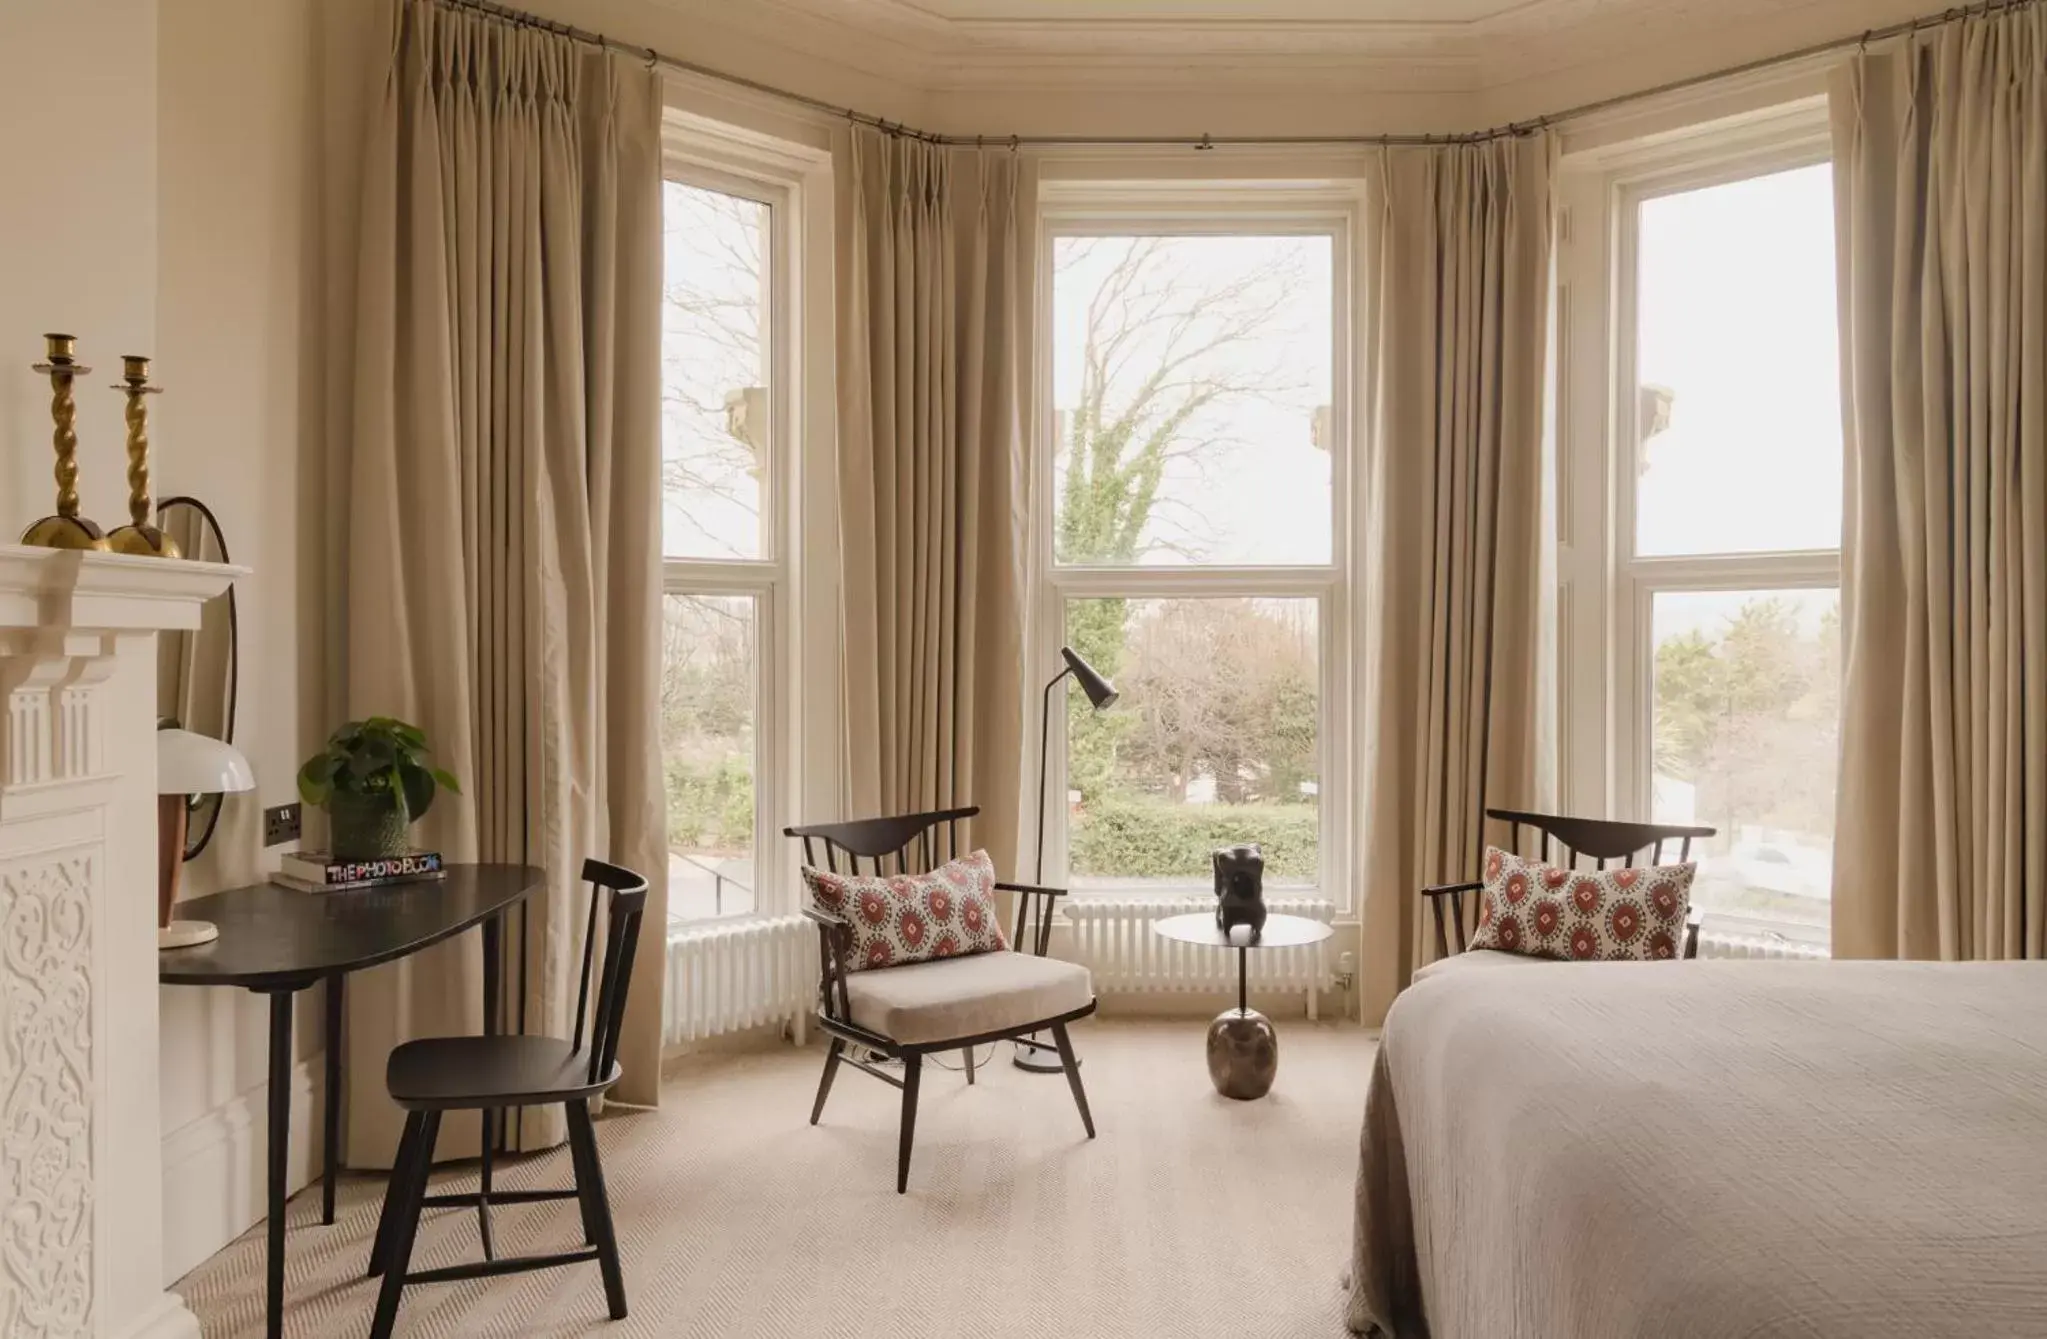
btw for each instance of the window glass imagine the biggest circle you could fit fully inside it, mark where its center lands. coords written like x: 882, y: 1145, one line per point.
x: 1215, y: 739
x: 1747, y: 728
x: 1738, y: 368
x: 1191, y: 397
x: 708, y: 713
x: 714, y: 373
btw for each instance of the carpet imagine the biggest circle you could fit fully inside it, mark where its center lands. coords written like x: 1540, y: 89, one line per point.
x: 1190, y: 1215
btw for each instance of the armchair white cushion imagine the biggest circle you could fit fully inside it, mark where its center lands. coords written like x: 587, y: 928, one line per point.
x: 972, y: 996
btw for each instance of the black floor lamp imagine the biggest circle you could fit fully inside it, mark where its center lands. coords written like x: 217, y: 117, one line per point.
x: 1032, y: 1054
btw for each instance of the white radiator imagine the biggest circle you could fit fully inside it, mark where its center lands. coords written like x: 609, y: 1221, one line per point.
x: 1114, y: 939
x: 727, y: 976
x: 1734, y: 944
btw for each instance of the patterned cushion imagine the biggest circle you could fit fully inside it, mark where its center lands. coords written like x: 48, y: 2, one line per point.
x: 1617, y: 915
x: 901, y: 918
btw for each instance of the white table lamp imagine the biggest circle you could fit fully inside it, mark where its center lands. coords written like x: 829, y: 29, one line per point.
x: 187, y: 764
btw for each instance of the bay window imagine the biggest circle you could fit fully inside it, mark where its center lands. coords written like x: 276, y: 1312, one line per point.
x: 1195, y: 550
x: 1702, y: 520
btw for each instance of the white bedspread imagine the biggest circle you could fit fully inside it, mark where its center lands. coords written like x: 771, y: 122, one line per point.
x: 1707, y: 1150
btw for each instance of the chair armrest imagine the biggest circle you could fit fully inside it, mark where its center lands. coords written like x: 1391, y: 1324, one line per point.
x: 1029, y: 888
x: 835, y: 940
x: 1695, y: 920
x: 1445, y: 889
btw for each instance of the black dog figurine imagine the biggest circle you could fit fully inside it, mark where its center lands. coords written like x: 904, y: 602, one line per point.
x: 1240, y: 889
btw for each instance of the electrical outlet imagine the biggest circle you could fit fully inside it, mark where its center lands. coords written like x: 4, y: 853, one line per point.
x: 281, y: 824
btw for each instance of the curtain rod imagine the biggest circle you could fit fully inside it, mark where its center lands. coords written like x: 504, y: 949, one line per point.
x: 657, y: 59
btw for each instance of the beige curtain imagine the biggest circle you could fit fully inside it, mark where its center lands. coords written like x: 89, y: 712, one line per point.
x: 1458, y: 274
x: 503, y: 544
x: 934, y: 303
x: 1941, y: 185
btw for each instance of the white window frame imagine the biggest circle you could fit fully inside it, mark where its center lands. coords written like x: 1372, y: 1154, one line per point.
x: 792, y: 582
x: 1081, y: 208
x: 1607, y: 590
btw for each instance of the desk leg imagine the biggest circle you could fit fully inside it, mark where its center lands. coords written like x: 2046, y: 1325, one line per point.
x: 280, y: 1148
x: 493, y: 954
x: 331, y: 1155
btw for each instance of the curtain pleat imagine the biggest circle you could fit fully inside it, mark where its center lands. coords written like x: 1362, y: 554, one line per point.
x: 934, y: 308
x: 1941, y: 190
x: 1454, y: 550
x: 503, y: 542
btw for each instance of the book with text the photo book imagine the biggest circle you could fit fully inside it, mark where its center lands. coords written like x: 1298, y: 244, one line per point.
x: 319, y: 872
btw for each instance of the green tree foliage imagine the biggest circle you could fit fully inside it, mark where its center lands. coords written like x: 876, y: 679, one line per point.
x: 1141, y: 839
x: 1219, y: 704
x: 707, y: 722
x: 1749, y: 714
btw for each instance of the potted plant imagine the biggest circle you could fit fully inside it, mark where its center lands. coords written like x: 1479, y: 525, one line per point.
x: 373, y: 780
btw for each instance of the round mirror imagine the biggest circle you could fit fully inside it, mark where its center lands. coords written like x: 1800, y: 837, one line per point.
x: 196, y: 670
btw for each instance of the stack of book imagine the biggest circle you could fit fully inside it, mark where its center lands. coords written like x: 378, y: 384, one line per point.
x: 319, y: 872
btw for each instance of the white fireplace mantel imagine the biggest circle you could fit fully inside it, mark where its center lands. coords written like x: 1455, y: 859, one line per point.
x: 80, y: 1182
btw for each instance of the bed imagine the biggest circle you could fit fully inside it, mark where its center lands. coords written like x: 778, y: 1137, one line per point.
x: 1706, y: 1150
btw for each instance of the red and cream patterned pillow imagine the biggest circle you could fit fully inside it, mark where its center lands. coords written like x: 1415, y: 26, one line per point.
x: 1581, y: 915
x: 904, y: 918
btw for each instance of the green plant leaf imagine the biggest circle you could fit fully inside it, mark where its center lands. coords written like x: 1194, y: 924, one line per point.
x: 379, y: 756
x: 316, y: 778
x: 418, y: 784
x: 446, y: 779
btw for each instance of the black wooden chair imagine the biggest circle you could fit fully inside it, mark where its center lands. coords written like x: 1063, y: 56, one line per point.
x: 441, y: 1074
x: 906, y: 1013
x: 1599, y: 840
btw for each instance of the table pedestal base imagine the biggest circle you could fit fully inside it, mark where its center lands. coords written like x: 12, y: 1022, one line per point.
x: 1243, y: 1054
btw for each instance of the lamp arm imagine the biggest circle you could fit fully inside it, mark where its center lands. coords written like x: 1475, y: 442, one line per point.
x: 1044, y: 766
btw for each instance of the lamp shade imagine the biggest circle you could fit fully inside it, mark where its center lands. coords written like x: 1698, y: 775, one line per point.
x: 1100, y: 692
x: 193, y: 764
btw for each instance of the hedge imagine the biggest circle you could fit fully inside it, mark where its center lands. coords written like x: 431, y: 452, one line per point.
x: 1153, y: 839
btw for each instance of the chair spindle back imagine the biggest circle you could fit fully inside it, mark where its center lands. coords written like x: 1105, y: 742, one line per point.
x: 1600, y: 841
x: 915, y: 843
x: 626, y: 895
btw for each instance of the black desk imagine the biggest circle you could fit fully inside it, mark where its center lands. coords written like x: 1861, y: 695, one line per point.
x: 275, y: 941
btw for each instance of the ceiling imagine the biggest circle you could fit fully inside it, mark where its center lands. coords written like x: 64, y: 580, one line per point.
x: 1260, y: 66
x: 1235, y: 11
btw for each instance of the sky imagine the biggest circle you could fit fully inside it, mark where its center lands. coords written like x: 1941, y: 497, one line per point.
x: 1737, y: 320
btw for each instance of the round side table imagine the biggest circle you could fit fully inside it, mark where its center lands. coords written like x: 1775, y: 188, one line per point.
x: 1243, y: 1046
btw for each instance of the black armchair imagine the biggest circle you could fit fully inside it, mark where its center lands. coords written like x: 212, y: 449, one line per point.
x: 905, y: 1013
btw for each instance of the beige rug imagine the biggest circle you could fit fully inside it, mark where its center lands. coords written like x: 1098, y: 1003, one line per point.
x: 1190, y: 1215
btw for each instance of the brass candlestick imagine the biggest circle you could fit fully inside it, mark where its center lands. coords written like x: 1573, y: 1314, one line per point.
x: 139, y: 536
x: 67, y: 529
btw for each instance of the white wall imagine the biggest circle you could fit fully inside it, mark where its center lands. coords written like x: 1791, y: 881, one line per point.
x: 236, y: 199
x: 78, y: 171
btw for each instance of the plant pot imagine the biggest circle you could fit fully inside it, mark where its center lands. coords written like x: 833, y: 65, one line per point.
x: 367, y: 827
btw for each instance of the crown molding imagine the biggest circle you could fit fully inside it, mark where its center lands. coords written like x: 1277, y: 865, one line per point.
x: 906, y: 40
x: 1287, y: 66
